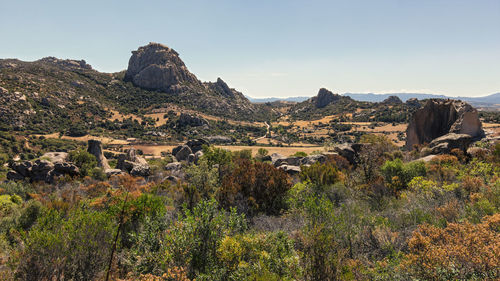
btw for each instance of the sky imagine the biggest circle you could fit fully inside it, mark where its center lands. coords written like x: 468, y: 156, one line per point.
x: 277, y: 48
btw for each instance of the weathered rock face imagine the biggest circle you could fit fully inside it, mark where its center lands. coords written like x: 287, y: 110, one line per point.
x: 439, y: 117
x: 95, y: 148
x: 191, y: 120
x: 392, y: 100
x: 325, y: 97
x: 158, y: 67
x: 133, y: 164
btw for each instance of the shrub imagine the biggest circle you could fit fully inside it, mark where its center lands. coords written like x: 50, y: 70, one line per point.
x: 299, y: 154
x: 398, y: 174
x: 76, y: 247
x: 458, y: 252
x: 321, y: 174
x: 254, y: 188
x: 84, y: 160
x: 197, y: 235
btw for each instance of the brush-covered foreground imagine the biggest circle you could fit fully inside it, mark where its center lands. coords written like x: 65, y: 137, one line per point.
x: 238, y: 218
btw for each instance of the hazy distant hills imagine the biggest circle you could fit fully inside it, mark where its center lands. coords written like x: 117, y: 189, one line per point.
x: 484, y: 101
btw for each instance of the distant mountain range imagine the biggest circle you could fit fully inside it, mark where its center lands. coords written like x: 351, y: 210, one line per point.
x: 484, y: 101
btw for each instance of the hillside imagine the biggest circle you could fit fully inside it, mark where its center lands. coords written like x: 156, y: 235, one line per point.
x: 53, y: 95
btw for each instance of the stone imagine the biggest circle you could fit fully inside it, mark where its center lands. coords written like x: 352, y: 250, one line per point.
x: 113, y: 172
x: 293, y: 161
x: 55, y: 157
x: 65, y: 168
x: 311, y: 159
x: 192, y: 120
x: 275, y: 157
x: 325, y: 97
x: 158, y: 67
x: 197, y: 156
x: 427, y: 158
x: 139, y: 170
x: 290, y: 169
x: 23, y: 168
x: 95, y: 148
x: 174, y: 166
x: 439, y: 117
x: 14, y: 176
x: 196, y: 144
x: 392, y: 100
x: 134, y: 164
x: 42, y: 171
x: 413, y: 103
x: 191, y: 158
x: 183, y: 153
x: 448, y: 142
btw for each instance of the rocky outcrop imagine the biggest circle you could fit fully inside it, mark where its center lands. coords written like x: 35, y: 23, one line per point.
x: 50, y: 166
x: 158, y: 67
x: 192, y: 120
x: 413, y: 103
x: 445, y: 144
x: 392, y: 100
x: 196, y: 144
x: 194, y: 147
x: 325, y: 97
x: 183, y: 153
x: 133, y: 164
x: 349, y: 151
x: 95, y: 148
x: 439, y: 117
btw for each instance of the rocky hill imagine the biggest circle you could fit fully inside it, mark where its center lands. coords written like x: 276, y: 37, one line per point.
x: 53, y: 95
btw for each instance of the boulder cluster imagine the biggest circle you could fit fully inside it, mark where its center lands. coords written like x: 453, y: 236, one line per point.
x: 50, y: 166
x: 55, y: 164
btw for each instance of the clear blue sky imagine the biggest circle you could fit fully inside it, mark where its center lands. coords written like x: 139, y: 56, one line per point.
x: 277, y: 48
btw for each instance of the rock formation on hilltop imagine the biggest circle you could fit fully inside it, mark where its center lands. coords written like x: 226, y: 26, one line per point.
x: 325, y: 97
x: 440, y: 117
x: 157, y: 67
x: 392, y: 100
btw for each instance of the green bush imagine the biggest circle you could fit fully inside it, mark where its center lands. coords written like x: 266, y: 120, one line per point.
x: 398, y: 174
x: 76, y: 247
x: 84, y: 160
x: 198, y: 234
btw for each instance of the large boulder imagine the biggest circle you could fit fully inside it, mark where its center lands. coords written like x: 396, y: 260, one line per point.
x: 95, y: 148
x: 196, y: 144
x: 56, y: 157
x: 133, y: 164
x: 448, y: 142
x: 42, y: 170
x: 182, y: 153
x: 349, y: 151
x: 158, y: 67
x: 290, y: 169
x: 439, y: 117
x: 325, y: 97
x: 293, y: 161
